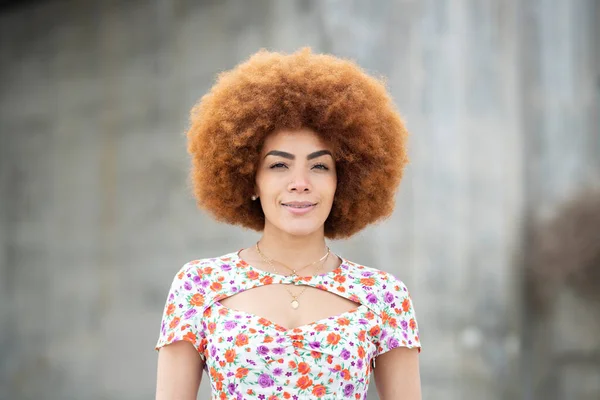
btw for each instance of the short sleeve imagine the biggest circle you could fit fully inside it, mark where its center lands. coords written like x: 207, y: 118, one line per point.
x: 398, y: 326
x: 183, y: 308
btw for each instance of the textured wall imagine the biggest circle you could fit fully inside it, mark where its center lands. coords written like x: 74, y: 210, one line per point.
x: 96, y: 216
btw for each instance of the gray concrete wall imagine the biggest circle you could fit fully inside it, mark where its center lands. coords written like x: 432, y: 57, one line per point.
x: 96, y: 214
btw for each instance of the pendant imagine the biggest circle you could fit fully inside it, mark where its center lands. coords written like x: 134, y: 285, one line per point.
x: 295, y: 304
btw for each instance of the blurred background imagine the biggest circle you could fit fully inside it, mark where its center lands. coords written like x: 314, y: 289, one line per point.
x: 497, y: 226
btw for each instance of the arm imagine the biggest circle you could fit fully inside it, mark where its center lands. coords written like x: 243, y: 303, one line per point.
x: 397, y: 374
x: 179, y: 372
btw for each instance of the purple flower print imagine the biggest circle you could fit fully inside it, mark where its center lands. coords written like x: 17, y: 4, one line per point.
x: 404, y: 325
x: 392, y: 343
x: 205, y: 284
x: 278, y: 350
x: 383, y: 334
x: 345, y: 354
x: 367, y: 274
x: 277, y: 371
x: 231, y: 388
x: 190, y: 313
x: 265, y: 380
x: 363, y: 321
x: 196, y: 279
x: 230, y: 324
x: 262, y: 350
x: 315, y: 345
x: 389, y: 298
x: 371, y: 298
x: 226, y: 267
x: 213, y: 351
x: 359, y: 363
x: 348, y: 390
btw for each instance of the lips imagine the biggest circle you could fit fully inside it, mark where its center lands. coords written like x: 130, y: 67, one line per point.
x: 298, y: 204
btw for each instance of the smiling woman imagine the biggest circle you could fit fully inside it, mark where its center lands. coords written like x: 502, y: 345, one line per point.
x: 300, y: 147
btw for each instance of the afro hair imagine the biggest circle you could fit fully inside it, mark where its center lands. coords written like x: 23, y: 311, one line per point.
x: 271, y: 91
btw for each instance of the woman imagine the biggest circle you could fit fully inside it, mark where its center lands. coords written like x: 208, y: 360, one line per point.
x: 300, y: 147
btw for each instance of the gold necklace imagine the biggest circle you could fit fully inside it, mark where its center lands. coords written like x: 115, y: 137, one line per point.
x: 294, y: 303
x: 294, y: 271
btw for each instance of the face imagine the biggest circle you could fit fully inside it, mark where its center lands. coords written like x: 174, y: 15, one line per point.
x: 296, y: 182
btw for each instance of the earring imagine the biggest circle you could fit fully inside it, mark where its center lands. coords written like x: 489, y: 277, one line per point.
x: 254, y: 197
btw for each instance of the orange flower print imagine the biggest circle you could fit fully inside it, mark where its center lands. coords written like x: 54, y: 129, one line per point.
x: 339, y: 278
x: 230, y: 355
x: 190, y: 337
x: 287, y: 395
x: 346, y: 374
x: 211, y: 327
x: 207, y: 312
x: 216, y: 286
x: 292, y: 365
x: 329, y: 359
x: 367, y: 281
x: 343, y: 321
x: 375, y: 330
x: 406, y: 305
x: 320, y: 327
x: 361, y: 352
x: 252, y: 275
x: 341, y: 289
x: 413, y: 324
x: 241, y: 339
x: 303, y: 368
x: 170, y: 309
x: 362, y: 336
x: 316, y: 354
x: 304, y: 382
x: 241, y: 372
x: 319, y: 390
x: 333, y: 338
x: 197, y: 300
x: 266, y: 280
x: 268, y: 339
x: 174, y: 322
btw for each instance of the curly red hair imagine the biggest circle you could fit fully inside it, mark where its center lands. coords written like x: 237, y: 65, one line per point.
x: 271, y: 91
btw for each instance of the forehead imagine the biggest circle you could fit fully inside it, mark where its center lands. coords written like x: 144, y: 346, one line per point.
x: 295, y: 141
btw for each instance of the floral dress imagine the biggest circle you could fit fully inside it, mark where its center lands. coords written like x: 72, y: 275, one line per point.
x: 249, y: 357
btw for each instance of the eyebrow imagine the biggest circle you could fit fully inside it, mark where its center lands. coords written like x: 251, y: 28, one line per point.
x: 290, y: 156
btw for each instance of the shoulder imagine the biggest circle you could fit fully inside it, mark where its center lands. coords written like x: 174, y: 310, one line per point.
x: 381, y: 289
x: 370, y: 276
x: 205, y: 268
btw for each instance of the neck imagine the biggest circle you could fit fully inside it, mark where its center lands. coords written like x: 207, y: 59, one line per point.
x: 293, y: 251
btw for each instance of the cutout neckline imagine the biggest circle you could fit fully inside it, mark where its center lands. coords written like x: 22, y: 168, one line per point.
x: 296, y: 329
x: 336, y: 271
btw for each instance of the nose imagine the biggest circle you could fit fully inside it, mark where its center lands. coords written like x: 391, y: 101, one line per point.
x: 299, y: 183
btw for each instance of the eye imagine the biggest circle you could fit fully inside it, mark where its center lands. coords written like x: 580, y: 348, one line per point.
x: 321, y: 166
x: 277, y: 165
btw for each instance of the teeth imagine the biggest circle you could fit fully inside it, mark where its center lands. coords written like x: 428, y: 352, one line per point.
x: 289, y: 205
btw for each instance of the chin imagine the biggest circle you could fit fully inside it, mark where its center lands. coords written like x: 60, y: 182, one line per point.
x: 300, y: 229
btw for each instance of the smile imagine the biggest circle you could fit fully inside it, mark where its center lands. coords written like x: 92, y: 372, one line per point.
x: 299, y: 208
